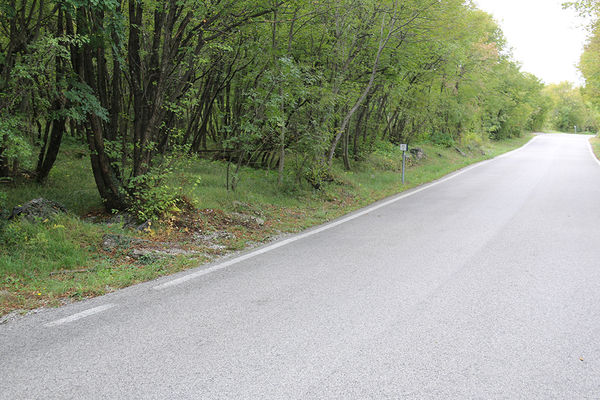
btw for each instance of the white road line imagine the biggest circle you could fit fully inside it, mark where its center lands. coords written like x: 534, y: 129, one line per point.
x: 592, y: 151
x: 80, y: 315
x: 351, y: 217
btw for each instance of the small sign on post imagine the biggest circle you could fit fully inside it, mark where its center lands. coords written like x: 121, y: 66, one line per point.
x: 403, y: 148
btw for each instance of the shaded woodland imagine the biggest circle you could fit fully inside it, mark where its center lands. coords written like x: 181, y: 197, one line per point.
x: 292, y: 86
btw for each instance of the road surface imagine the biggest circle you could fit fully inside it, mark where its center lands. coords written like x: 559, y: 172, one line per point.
x: 485, y: 285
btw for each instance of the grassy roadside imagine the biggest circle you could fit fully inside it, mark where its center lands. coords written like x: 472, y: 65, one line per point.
x: 595, y: 142
x: 53, y: 262
x: 570, y: 133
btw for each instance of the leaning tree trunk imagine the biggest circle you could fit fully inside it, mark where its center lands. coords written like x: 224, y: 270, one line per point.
x: 49, y: 153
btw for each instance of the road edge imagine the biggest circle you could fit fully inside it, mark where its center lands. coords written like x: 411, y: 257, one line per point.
x: 205, y: 269
x: 91, y: 306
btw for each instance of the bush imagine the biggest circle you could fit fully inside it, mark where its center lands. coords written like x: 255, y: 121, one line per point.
x: 386, y: 156
x: 152, y: 199
x: 317, y: 175
x: 441, y: 139
x: 472, y: 140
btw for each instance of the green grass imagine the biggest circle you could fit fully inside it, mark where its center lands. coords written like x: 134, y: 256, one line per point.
x: 53, y: 262
x: 70, y: 182
x: 578, y: 132
x: 595, y: 142
x: 49, y: 263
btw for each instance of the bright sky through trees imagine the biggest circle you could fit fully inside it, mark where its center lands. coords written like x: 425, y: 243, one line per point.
x: 546, y: 39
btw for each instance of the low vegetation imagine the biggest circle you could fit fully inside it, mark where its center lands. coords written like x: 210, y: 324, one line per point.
x: 89, y: 252
x: 595, y: 142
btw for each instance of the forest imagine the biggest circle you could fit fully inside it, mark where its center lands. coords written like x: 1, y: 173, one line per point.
x: 292, y: 86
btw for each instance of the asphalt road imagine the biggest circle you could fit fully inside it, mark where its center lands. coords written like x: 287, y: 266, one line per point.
x: 485, y: 285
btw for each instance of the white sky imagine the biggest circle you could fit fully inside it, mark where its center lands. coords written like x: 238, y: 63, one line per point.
x: 546, y: 39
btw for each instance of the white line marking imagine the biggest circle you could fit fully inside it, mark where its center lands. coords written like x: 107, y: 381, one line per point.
x: 330, y: 225
x: 592, y: 150
x: 80, y: 315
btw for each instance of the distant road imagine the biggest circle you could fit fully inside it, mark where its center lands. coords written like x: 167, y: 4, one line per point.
x: 485, y: 285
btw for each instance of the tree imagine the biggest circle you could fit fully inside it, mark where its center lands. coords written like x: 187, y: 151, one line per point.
x: 285, y: 84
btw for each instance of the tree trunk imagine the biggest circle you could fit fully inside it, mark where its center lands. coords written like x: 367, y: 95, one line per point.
x: 341, y: 131
x: 106, y: 177
x: 50, y: 147
x: 345, y: 155
x: 47, y: 158
x: 4, y: 167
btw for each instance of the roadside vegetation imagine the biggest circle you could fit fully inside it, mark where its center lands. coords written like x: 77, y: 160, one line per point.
x: 595, y: 141
x: 177, y: 131
x: 589, y: 66
x: 69, y: 257
x: 571, y: 109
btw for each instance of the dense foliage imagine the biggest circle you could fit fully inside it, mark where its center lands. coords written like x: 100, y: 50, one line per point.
x: 570, y: 108
x: 581, y: 106
x: 286, y: 84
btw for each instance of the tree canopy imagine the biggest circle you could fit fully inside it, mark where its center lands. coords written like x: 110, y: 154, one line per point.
x: 251, y: 82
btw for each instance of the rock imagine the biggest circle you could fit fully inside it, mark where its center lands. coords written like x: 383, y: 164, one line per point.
x: 38, y: 209
x: 245, y: 219
x: 111, y: 242
x: 417, y: 153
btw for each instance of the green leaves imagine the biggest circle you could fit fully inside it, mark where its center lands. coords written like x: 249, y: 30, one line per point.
x: 98, y: 5
x: 14, y: 143
x: 253, y: 82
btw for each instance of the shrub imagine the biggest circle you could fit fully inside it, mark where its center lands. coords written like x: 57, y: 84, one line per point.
x: 441, y: 139
x: 472, y: 140
x: 318, y: 174
x: 152, y: 199
x: 386, y: 156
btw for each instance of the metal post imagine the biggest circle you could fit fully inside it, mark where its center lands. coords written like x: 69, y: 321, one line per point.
x: 403, y: 162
